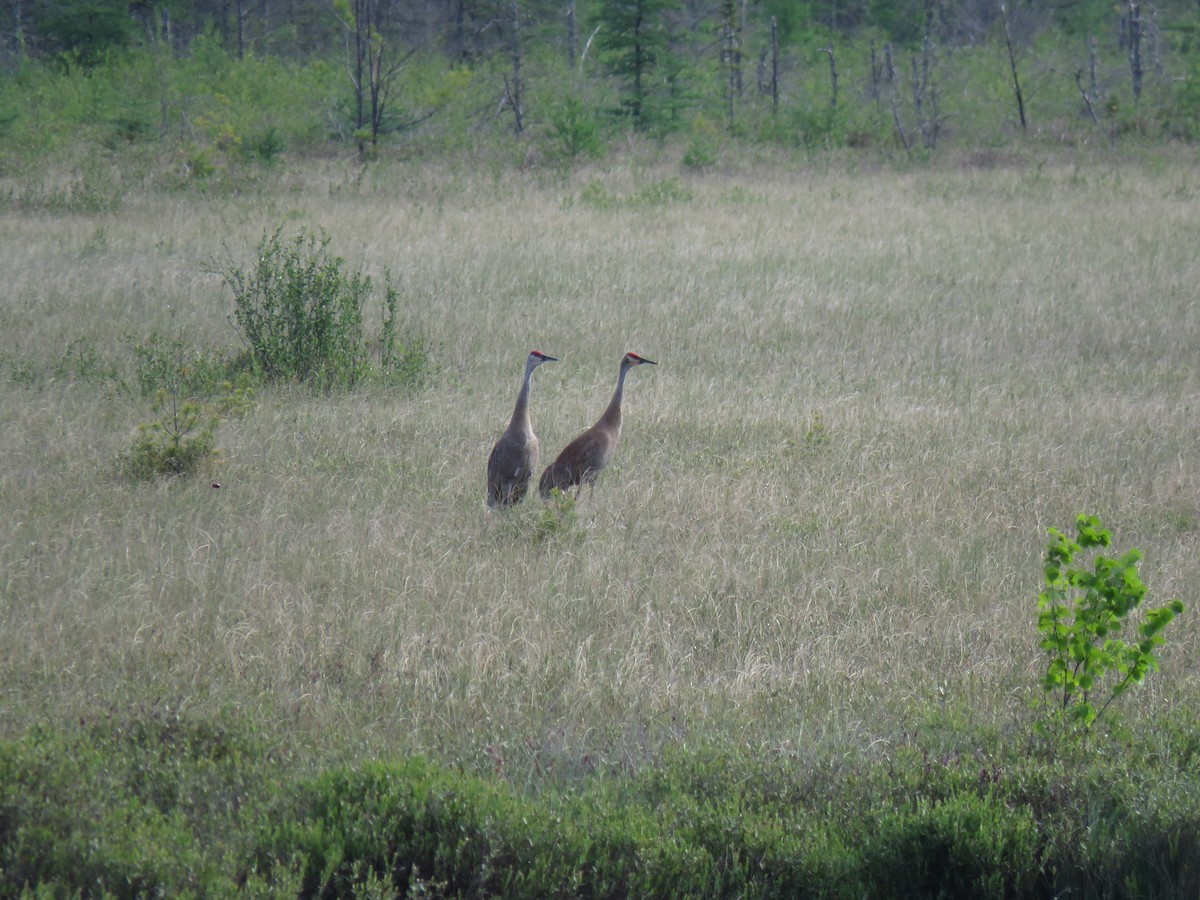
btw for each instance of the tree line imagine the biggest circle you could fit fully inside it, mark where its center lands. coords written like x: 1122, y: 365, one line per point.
x: 663, y: 62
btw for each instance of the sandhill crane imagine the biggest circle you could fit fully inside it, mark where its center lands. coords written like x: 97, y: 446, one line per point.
x: 515, y: 456
x: 585, y: 457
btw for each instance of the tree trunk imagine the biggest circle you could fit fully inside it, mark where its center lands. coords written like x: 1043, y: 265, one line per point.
x: 516, y: 92
x: 1135, y: 48
x: 774, y: 66
x: 1012, y: 62
x: 571, y: 33
x: 833, y: 77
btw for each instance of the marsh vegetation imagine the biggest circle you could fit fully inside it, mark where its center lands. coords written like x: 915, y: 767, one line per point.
x: 817, y: 553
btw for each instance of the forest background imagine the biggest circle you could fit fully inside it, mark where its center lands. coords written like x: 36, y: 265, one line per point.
x: 552, y: 82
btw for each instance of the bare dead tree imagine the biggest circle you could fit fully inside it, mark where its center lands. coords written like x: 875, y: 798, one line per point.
x: 924, y: 92
x: 888, y: 76
x: 833, y: 77
x: 588, y: 46
x: 1088, y: 94
x: 1135, y: 48
x: 19, y: 28
x: 1087, y: 99
x: 731, y: 57
x: 741, y: 86
x: 1012, y: 62
x: 774, y: 66
x: 374, y: 65
x: 515, y: 91
x: 900, y: 125
x: 918, y: 90
x: 571, y: 33
x: 1092, y: 89
x: 1152, y: 34
x: 241, y: 12
x: 876, y: 72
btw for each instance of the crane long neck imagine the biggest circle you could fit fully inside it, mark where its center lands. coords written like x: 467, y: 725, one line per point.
x: 520, y: 416
x: 612, y: 415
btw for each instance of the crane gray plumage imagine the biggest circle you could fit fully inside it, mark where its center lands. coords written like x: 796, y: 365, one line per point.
x: 582, y: 460
x: 515, y: 457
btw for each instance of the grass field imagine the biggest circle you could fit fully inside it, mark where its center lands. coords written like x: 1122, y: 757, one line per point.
x: 822, y: 532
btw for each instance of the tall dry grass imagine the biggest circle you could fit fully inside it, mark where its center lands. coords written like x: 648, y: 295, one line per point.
x: 823, y: 527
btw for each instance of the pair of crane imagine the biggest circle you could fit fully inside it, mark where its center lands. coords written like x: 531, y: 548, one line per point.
x: 515, y: 457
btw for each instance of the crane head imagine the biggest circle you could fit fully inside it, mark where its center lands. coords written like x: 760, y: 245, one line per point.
x: 541, y: 357
x: 632, y: 359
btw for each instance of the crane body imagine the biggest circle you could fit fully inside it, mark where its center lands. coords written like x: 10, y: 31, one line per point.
x: 515, y: 456
x: 582, y: 460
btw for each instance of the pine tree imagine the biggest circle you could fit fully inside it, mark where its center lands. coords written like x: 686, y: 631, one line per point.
x: 634, y: 35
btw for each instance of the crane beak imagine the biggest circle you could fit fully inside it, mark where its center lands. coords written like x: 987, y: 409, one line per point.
x: 643, y: 359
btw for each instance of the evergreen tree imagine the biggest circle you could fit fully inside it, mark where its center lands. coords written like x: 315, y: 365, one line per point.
x: 634, y: 35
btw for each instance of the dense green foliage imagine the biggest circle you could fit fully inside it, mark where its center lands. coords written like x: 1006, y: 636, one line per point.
x: 156, y: 802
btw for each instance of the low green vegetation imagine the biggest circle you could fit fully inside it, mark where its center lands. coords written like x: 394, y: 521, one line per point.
x: 157, y: 802
x: 300, y: 315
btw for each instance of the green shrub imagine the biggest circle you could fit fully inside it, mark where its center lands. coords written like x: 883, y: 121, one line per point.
x: 301, y: 313
x: 404, y: 359
x: 403, y: 823
x: 266, y: 146
x: 664, y: 192
x: 163, y: 803
x: 558, y: 518
x: 81, y: 362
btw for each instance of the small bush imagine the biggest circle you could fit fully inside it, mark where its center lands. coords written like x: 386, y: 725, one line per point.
x: 300, y: 313
x: 404, y: 359
x: 80, y: 362
x: 267, y: 146
x: 964, y: 846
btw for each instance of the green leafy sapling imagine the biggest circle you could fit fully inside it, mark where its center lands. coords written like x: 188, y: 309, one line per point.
x: 1080, y: 617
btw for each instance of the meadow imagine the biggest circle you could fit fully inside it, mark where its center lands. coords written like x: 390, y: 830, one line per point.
x: 821, y: 538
